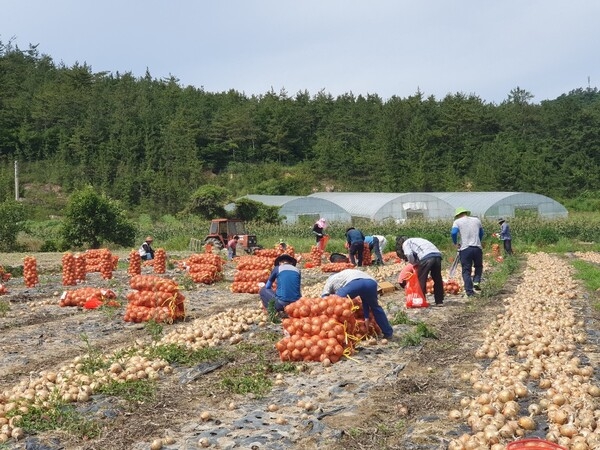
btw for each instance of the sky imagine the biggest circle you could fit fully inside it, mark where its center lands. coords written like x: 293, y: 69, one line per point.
x: 386, y: 47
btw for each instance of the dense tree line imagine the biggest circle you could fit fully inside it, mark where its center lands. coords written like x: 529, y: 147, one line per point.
x: 152, y: 143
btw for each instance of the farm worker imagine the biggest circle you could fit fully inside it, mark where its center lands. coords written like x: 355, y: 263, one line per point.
x: 146, y: 251
x: 231, y: 246
x: 318, y: 230
x: 375, y: 245
x: 427, y: 260
x: 288, y: 280
x: 505, y: 236
x: 356, y: 244
x: 469, y: 248
x: 356, y: 283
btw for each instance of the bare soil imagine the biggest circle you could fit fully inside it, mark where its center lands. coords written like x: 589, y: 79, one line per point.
x: 410, y: 388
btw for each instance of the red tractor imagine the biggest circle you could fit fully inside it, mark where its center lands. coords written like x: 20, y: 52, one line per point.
x: 222, y: 230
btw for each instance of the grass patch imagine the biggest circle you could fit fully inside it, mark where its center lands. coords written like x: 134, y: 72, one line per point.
x: 401, y: 318
x: 186, y: 282
x: 62, y: 417
x: 273, y: 314
x: 132, y: 391
x: 4, y: 308
x: 111, y: 310
x: 173, y: 353
x: 94, y: 358
x: 154, y: 328
x: 245, y: 381
x: 416, y: 336
x: 588, y: 273
x: 496, y: 279
x: 284, y: 367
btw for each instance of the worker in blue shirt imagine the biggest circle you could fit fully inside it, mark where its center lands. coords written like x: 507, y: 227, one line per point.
x: 288, y: 280
x: 355, y: 240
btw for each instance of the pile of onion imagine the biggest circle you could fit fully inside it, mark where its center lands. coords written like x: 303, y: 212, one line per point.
x: 533, y: 357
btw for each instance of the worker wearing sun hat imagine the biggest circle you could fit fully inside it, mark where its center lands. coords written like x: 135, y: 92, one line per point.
x: 288, y: 279
x: 146, y: 251
x: 470, y: 250
x: 505, y: 236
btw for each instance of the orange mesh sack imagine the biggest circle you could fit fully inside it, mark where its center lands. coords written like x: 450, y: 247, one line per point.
x: 414, y: 294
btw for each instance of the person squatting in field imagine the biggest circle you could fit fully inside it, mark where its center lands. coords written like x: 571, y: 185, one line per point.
x: 146, y: 251
x: 288, y: 279
x: 356, y: 283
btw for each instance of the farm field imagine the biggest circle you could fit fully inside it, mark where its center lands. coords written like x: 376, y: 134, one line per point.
x: 503, y: 360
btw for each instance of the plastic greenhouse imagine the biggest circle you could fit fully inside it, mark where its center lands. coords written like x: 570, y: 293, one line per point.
x: 504, y: 204
x: 382, y: 206
x: 298, y: 208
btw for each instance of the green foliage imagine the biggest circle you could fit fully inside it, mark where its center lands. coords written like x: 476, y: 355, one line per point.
x: 12, y: 222
x: 93, y: 359
x: 416, y: 336
x: 4, y: 307
x: 59, y: 416
x: 93, y: 219
x: 240, y: 381
x: 273, y: 314
x: 154, y: 328
x: 587, y: 272
x: 248, y: 210
x: 496, y: 278
x: 401, y: 318
x: 209, y: 202
x: 150, y: 142
x: 177, y: 354
x: 132, y: 391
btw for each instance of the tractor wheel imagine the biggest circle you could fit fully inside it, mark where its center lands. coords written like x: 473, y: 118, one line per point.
x: 215, y: 243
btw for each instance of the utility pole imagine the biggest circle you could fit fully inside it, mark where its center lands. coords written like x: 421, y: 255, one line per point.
x: 16, y: 180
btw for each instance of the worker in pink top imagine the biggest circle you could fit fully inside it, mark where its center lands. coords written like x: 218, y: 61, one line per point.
x: 231, y: 246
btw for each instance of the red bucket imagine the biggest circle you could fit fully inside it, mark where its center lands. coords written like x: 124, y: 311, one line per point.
x: 533, y: 444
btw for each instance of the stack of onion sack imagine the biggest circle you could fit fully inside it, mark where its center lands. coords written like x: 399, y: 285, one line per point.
x: 135, y: 263
x: 4, y: 275
x: 250, y: 271
x: 450, y: 286
x: 313, y: 259
x: 160, y: 261
x: 268, y: 252
x: 101, y: 260
x: 3, y: 289
x: 321, y: 329
x: 88, y: 297
x: 205, y: 268
x: 336, y: 267
x: 68, y: 270
x: 154, y: 298
x: 80, y: 267
x: 30, y: 273
x: 391, y: 257
x: 366, y: 261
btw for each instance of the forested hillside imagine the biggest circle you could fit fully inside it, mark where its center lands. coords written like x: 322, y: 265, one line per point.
x: 151, y: 143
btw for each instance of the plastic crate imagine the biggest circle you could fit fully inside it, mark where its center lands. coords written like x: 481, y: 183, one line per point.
x: 534, y: 444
